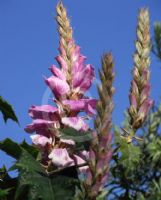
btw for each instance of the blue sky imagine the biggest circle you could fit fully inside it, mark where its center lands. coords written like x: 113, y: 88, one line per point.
x: 29, y: 42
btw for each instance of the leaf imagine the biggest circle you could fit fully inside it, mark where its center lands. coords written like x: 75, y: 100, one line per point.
x: 4, y: 193
x: 33, y: 182
x: 36, y: 184
x: 7, y: 111
x: 155, y: 149
x: 30, y: 149
x: 11, y: 148
x: 14, y: 150
x: 77, y: 136
x: 130, y: 156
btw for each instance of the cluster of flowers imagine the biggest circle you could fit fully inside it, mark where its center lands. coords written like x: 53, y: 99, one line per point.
x: 69, y: 84
x: 70, y: 101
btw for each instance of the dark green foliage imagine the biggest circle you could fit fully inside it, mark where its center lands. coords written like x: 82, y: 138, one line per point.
x: 7, y: 110
x: 33, y: 182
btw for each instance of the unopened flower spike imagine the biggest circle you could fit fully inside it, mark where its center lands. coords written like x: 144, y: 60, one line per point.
x: 140, y: 102
x: 100, y: 149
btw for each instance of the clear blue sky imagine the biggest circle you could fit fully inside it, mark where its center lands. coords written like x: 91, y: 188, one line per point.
x: 29, y: 42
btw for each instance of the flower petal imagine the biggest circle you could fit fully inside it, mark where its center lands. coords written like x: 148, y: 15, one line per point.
x: 44, y: 112
x: 59, y: 87
x: 87, y: 105
x: 78, y: 161
x: 39, y: 125
x: 75, y: 122
x: 145, y: 107
x: 83, y: 78
x: 60, y: 157
x: 57, y: 72
x: 67, y: 141
x: 62, y: 63
x: 90, y: 106
x: 40, y: 140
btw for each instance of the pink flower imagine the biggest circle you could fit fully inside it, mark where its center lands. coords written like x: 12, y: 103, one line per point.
x: 145, y: 107
x: 82, y: 79
x: 39, y: 125
x: 60, y: 157
x: 44, y: 112
x: 57, y: 72
x: 58, y: 86
x: 87, y: 105
x: 62, y: 63
x: 78, y: 161
x: 67, y: 141
x: 75, y: 122
x: 40, y: 140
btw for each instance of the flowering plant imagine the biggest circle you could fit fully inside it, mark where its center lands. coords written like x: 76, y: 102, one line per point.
x: 68, y: 159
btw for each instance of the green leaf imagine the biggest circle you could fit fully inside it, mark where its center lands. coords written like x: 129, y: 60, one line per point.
x: 4, y: 193
x: 155, y: 149
x: 14, y: 150
x: 11, y: 148
x: 77, y: 136
x: 36, y: 184
x: 7, y: 111
x: 30, y: 149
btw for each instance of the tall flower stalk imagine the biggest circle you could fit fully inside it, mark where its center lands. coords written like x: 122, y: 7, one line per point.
x: 140, y: 102
x: 68, y: 84
x: 100, y: 149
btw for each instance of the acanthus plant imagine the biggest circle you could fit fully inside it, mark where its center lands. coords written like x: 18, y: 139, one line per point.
x: 68, y: 84
x: 61, y: 136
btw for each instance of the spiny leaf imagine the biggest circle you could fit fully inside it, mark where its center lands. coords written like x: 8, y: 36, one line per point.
x: 36, y: 184
x: 14, y: 149
x: 7, y: 110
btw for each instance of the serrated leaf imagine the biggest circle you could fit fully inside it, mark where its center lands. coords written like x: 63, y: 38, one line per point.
x: 36, y: 184
x: 7, y: 111
x: 14, y: 149
x: 77, y: 136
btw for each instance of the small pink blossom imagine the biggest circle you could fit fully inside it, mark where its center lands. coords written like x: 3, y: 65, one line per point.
x: 75, y: 122
x: 39, y: 124
x: 82, y: 79
x: 87, y: 105
x: 44, y: 112
x: 58, y: 86
x: 60, y: 157
x: 57, y: 72
x: 40, y: 140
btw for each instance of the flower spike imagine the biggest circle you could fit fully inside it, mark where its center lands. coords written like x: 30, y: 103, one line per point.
x: 100, y: 150
x: 140, y: 103
x: 68, y: 84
